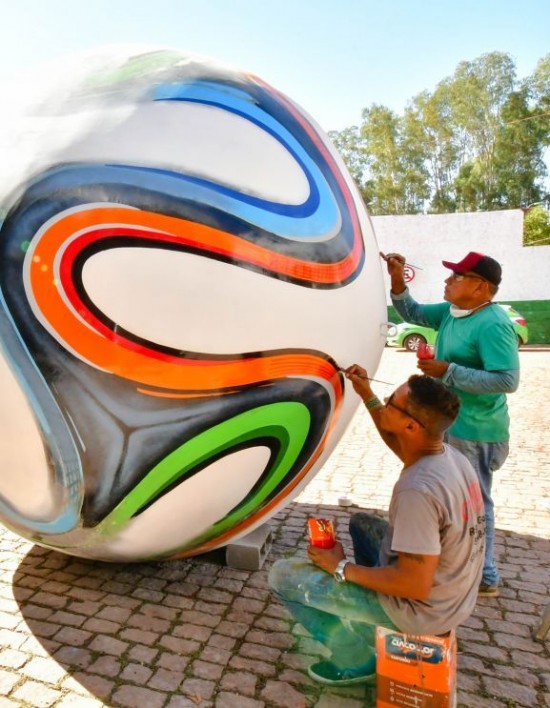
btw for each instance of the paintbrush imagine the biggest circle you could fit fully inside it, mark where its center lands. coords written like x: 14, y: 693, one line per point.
x: 368, y: 378
x: 411, y: 265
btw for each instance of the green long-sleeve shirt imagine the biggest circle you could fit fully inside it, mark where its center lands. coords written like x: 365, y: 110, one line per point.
x: 483, y: 351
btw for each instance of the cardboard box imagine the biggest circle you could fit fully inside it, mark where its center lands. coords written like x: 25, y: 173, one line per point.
x: 415, y: 671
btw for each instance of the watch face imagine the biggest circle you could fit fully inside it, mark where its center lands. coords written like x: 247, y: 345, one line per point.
x: 339, y: 572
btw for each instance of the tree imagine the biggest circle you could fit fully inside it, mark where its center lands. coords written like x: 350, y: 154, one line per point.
x: 380, y: 132
x: 519, y: 167
x: 536, y: 227
x: 427, y: 126
x: 539, y: 83
x: 476, y: 143
x: 479, y: 90
x: 394, y: 177
x: 349, y: 144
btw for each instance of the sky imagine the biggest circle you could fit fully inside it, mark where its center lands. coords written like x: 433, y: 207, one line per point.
x: 333, y: 57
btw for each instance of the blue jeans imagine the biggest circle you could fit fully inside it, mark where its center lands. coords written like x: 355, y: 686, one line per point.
x: 485, y: 458
x: 342, y: 616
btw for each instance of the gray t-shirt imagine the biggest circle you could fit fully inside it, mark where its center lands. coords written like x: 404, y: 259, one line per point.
x: 437, y: 509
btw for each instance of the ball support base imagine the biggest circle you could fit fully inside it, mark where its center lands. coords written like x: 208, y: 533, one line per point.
x: 250, y: 551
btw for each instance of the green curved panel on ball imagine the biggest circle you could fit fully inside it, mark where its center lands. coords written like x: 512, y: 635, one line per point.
x: 287, y: 422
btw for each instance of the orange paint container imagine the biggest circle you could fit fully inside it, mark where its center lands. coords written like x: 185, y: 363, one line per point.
x: 415, y: 671
x: 321, y: 533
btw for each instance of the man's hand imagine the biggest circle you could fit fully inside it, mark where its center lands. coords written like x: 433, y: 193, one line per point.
x: 360, y: 382
x: 359, y: 379
x: 396, y: 269
x: 326, y: 558
x: 395, y: 262
x: 433, y: 367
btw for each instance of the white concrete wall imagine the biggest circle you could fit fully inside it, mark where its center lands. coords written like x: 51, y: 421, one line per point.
x: 426, y: 240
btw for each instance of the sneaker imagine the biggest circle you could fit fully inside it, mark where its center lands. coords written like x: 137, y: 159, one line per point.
x: 329, y: 674
x: 488, y: 590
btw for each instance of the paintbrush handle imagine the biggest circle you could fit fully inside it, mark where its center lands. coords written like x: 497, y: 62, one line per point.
x: 411, y: 265
x: 367, y: 378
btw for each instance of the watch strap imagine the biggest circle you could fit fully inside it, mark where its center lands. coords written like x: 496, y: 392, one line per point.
x: 339, y: 573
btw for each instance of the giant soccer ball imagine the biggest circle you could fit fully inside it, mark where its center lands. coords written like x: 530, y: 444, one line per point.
x: 184, y: 265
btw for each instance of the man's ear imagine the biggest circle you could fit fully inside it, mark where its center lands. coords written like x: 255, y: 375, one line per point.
x: 486, y: 287
x: 412, y: 426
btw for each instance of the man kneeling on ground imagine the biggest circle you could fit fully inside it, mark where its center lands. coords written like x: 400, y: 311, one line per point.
x: 420, y: 572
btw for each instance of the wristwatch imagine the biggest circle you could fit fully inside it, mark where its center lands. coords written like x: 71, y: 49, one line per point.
x: 339, y: 571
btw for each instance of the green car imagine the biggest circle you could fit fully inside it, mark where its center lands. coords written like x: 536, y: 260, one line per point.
x: 409, y: 336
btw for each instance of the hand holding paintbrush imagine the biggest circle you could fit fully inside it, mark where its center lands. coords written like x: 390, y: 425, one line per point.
x: 360, y: 381
x: 362, y: 375
x: 399, y: 258
x: 396, y: 270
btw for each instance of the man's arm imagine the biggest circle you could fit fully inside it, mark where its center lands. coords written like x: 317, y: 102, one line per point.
x: 407, y: 308
x: 396, y: 270
x: 498, y: 349
x: 411, y: 574
x: 475, y: 381
x: 361, y: 384
x: 426, y: 315
x: 411, y: 577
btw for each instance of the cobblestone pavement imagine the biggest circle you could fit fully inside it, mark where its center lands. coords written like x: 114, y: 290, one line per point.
x: 78, y: 634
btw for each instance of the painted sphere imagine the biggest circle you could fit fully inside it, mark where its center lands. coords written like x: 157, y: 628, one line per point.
x: 184, y: 266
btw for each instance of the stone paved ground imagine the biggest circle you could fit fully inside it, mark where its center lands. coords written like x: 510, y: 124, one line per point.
x: 76, y: 634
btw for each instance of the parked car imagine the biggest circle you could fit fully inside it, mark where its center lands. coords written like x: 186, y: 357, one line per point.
x: 409, y: 336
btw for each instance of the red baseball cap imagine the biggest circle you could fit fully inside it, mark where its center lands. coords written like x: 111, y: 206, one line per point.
x: 484, y: 266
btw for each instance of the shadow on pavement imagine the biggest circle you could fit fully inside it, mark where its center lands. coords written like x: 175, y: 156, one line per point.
x: 194, y: 632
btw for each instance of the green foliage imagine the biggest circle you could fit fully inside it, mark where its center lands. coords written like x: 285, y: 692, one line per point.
x: 394, y: 179
x: 536, y: 227
x: 476, y: 143
x: 539, y: 84
x: 518, y: 153
x: 348, y: 144
x: 385, y: 162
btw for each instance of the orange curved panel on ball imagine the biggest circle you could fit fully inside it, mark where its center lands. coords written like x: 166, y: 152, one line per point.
x: 73, y: 323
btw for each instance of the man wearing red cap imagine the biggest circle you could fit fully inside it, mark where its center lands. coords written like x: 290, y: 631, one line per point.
x: 476, y: 355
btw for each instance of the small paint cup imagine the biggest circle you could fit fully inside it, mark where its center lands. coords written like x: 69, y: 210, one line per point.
x: 321, y: 533
x: 425, y: 351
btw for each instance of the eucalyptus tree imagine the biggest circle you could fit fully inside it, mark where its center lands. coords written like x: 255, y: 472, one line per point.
x: 393, y: 178
x: 536, y: 226
x: 477, y: 142
x: 351, y: 148
x: 518, y: 160
x: 479, y: 91
x: 539, y: 83
x: 427, y: 126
